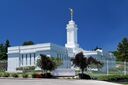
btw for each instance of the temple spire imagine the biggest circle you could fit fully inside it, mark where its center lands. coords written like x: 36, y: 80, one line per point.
x: 71, y: 33
x: 71, y: 13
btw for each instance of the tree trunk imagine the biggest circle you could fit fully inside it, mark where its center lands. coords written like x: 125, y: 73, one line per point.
x: 82, y: 74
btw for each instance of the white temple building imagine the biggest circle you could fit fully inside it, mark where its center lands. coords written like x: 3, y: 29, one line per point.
x: 19, y: 56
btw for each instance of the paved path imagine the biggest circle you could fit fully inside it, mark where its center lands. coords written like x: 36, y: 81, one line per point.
x: 52, y: 82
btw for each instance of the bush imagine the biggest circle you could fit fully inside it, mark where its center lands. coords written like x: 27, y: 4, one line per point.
x: 34, y: 75
x: 25, y: 75
x: 114, y: 78
x: 5, y: 75
x: 84, y: 76
x: 45, y: 75
x: 26, y: 68
x: 1, y: 74
x: 14, y: 75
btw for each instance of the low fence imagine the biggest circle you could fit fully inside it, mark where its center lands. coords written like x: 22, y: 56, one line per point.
x: 108, y: 68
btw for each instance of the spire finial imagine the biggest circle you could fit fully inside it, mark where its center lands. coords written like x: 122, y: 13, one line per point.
x: 71, y: 12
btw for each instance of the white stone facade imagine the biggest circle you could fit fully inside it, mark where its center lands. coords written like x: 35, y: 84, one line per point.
x: 20, y: 56
x: 71, y: 35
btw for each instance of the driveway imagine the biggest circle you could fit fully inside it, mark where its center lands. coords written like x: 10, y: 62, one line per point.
x: 52, y: 82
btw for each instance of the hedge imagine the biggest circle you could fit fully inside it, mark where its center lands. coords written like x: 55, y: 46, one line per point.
x: 113, y: 78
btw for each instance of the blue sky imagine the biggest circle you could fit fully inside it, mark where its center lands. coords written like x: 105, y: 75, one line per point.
x: 101, y: 23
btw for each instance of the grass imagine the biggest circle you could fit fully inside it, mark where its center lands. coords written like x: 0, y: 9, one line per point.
x: 96, y: 76
x: 123, y: 83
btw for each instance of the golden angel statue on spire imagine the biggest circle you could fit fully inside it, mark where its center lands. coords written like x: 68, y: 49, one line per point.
x: 71, y: 12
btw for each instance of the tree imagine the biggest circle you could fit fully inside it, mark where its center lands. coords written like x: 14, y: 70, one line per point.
x: 93, y: 62
x: 122, y: 50
x: 57, y: 61
x: 97, y: 48
x: 47, y: 63
x: 83, y: 62
x: 80, y: 61
x: 4, y: 50
x: 28, y: 43
x: 7, y: 44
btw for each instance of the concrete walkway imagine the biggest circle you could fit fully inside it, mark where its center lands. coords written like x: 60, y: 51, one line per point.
x: 52, y: 82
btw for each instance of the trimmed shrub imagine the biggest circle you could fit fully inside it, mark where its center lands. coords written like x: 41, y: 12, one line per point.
x: 14, y: 75
x: 5, y: 75
x: 45, y: 75
x: 1, y: 74
x: 33, y: 75
x: 25, y: 75
x: 36, y: 75
x: 26, y: 68
x: 113, y: 78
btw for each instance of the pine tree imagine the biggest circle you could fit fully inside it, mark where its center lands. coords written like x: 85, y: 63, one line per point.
x: 28, y: 43
x: 4, y: 50
x: 122, y: 50
x: 7, y: 44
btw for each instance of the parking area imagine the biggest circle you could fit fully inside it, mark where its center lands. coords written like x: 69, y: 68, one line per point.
x: 52, y: 82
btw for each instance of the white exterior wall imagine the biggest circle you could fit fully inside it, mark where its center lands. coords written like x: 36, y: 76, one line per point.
x: 13, y: 62
x: 32, y: 60
x: 15, y: 55
x: 71, y: 35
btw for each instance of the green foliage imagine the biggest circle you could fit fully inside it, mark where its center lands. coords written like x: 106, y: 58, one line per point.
x: 5, y: 74
x: 113, y: 77
x: 122, y: 50
x: 97, y: 48
x: 28, y: 43
x: 1, y: 74
x: 57, y: 61
x: 40, y: 75
x: 3, y: 65
x: 80, y: 61
x: 3, y: 50
x: 47, y: 63
x: 7, y: 44
x: 14, y: 75
x: 33, y: 75
x: 25, y: 75
x: 26, y: 68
